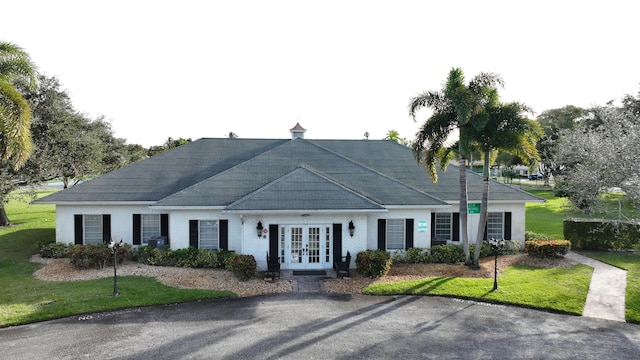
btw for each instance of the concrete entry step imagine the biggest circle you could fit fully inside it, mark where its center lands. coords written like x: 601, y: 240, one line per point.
x: 307, y: 283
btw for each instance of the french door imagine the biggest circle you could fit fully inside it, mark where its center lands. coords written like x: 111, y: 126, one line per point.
x: 305, y: 246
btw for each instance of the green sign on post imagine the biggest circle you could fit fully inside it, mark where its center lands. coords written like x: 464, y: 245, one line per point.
x: 473, y: 208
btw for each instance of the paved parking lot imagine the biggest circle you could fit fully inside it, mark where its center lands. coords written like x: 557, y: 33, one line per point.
x: 324, y: 326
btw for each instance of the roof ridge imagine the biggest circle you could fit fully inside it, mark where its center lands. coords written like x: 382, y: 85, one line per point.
x: 291, y: 173
x: 377, y: 172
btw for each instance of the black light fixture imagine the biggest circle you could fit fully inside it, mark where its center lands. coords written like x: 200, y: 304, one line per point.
x: 352, y: 228
x: 259, y: 228
x: 114, y: 249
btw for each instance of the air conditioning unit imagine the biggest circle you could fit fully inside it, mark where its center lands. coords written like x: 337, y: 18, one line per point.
x: 157, y: 241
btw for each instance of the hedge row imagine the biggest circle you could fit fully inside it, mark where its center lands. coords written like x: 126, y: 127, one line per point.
x: 547, y: 248
x: 99, y: 256
x: 598, y: 234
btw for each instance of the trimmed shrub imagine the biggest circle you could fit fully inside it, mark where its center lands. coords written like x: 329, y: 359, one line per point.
x: 190, y: 257
x: 222, y: 257
x: 183, y: 257
x: 373, y: 263
x: 418, y: 256
x: 54, y: 250
x: 93, y: 255
x: 448, y: 254
x: 530, y: 235
x: 154, y: 256
x: 244, y: 267
x: 547, y: 248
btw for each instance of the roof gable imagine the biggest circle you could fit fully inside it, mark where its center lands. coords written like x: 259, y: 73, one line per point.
x: 303, y: 189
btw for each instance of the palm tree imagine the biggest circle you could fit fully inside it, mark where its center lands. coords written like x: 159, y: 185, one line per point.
x: 392, y: 135
x: 232, y: 135
x: 15, y: 113
x: 453, y: 107
x: 501, y: 127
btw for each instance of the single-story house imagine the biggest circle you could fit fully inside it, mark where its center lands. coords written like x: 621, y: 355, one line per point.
x: 309, y: 201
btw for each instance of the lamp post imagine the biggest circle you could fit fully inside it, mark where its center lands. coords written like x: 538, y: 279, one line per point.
x: 114, y: 249
x: 496, y: 246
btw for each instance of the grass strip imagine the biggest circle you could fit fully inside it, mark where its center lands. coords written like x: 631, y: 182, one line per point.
x: 557, y: 289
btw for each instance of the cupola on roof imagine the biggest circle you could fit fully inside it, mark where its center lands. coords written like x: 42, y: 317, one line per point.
x: 297, y: 132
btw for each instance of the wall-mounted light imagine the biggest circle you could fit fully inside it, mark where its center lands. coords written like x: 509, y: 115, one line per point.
x: 352, y: 228
x: 259, y: 228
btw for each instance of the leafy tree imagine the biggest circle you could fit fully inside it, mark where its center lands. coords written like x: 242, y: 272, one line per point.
x: 169, y: 144
x: 232, y: 135
x: 15, y: 117
x: 453, y: 107
x: 366, y: 135
x: 501, y: 127
x: 553, y: 121
x: 601, y: 155
x: 68, y: 145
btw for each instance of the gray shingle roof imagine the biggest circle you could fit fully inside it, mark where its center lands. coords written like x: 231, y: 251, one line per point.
x: 235, y: 173
x: 304, y: 189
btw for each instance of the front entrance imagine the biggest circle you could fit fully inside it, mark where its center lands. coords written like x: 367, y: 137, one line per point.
x: 305, y: 246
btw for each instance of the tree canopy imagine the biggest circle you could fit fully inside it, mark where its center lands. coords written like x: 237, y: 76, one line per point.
x: 601, y: 154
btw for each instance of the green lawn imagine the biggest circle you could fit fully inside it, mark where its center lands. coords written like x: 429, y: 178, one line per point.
x: 631, y: 263
x: 546, y: 218
x: 563, y: 290
x: 24, y: 299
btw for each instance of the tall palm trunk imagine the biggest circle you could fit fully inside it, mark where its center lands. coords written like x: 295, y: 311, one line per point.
x: 483, y: 208
x: 463, y: 208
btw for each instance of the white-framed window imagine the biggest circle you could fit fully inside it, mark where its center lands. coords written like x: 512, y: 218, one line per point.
x: 208, y: 234
x: 495, y: 225
x: 395, y: 234
x: 443, y: 226
x: 92, y: 229
x: 150, y: 226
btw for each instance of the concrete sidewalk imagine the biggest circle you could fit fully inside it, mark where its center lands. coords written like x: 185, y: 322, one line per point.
x: 606, y: 297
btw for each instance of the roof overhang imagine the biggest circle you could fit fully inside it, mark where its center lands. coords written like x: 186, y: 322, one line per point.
x: 304, y: 212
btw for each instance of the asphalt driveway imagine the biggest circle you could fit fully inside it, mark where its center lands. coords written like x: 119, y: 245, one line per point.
x: 324, y: 326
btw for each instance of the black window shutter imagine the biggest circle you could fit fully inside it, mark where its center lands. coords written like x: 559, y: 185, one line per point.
x: 337, y: 242
x: 273, y: 241
x: 455, y: 231
x: 193, y: 233
x: 408, y: 234
x: 484, y: 237
x: 137, y: 229
x: 433, y: 225
x: 106, y: 228
x: 164, y: 227
x: 507, y: 225
x: 382, y: 234
x: 224, y: 234
x: 77, y: 229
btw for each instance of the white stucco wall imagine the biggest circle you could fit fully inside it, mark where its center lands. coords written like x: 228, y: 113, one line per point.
x: 242, y: 229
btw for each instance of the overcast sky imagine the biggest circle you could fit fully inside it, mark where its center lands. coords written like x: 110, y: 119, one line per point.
x: 192, y: 69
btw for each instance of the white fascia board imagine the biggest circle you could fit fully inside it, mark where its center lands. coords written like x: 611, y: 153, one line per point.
x: 187, y: 207
x: 502, y: 201
x: 417, y: 207
x: 94, y: 203
x: 302, y: 212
